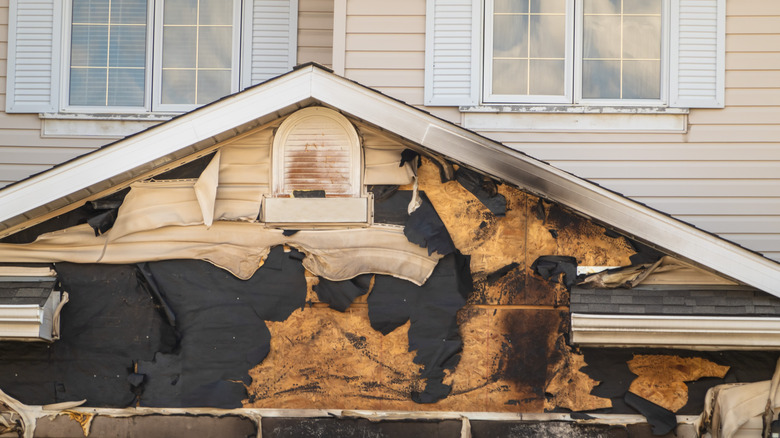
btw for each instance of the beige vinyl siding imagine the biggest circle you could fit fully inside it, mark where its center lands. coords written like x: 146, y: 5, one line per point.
x: 315, y: 31
x: 722, y: 175
x: 385, y: 49
x: 385, y: 46
x: 23, y: 152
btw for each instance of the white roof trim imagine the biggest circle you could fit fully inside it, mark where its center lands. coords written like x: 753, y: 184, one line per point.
x: 689, y: 332
x: 417, y: 126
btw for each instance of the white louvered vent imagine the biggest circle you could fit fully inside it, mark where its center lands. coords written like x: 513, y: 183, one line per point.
x: 698, y: 53
x: 273, y: 38
x: 33, y: 55
x: 317, y: 156
x: 452, y: 52
x: 317, y: 149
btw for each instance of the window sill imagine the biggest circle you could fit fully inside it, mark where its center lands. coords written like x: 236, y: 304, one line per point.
x: 98, y: 125
x: 570, y: 109
x: 574, y: 118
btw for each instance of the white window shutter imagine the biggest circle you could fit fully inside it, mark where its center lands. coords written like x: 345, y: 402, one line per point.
x: 34, y: 41
x: 452, y: 52
x: 270, y: 39
x: 698, y: 53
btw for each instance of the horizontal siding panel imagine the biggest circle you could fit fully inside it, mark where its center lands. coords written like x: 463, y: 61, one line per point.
x: 412, y: 96
x: 745, y: 115
x: 735, y: 133
x: 735, y: 224
x: 753, y: 61
x: 388, y: 78
x: 386, y: 60
x: 315, y: 38
x: 384, y: 42
x: 757, y: 242
x: 32, y: 138
x: 753, y: 79
x: 386, y: 24
x: 394, y: 7
x: 753, y: 43
x: 521, y: 138
x: 653, y: 151
x: 315, y: 5
x: 39, y: 156
x: 774, y: 255
x: 713, y: 206
x: 752, y: 97
x: 315, y: 20
x: 671, y: 169
x: 15, y: 172
x: 694, y: 188
x: 753, y: 7
x: 20, y: 121
x: 319, y: 55
x: 753, y: 25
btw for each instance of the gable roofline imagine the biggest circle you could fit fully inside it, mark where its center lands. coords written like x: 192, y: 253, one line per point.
x: 126, y: 159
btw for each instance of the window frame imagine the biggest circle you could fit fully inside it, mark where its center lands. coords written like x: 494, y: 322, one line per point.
x: 157, y: 104
x: 573, y: 86
x: 67, y: 34
x: 153, y: 69
x: 487, y: 63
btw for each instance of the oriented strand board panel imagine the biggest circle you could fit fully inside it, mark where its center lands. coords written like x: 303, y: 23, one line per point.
x: 512, y: 327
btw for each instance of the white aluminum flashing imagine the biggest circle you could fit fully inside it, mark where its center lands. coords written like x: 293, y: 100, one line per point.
x: 45, y: 192
x: 688, y: 332
x: 30, y: 322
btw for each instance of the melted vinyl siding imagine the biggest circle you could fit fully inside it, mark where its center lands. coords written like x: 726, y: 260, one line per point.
x: 723, y: 175
x: 315, y: 31
x: 23, y: 152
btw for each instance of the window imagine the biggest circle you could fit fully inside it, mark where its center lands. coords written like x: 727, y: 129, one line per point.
x: 572, y: 51
x: 607, y: 53
x: 134, y: 57
x: 123, y: 56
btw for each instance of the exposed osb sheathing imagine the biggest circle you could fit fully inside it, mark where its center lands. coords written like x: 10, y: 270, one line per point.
x: 512, y: 327
x: 661, y: 378
x: 322, y: 358
x: 569, y: 387
x: 530, y: 229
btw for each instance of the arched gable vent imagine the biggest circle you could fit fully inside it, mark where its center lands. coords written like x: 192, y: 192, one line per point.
x: 317, y: 148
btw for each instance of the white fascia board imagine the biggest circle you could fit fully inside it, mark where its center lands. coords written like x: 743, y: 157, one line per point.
x: 154, y: 144
x: 689, y: 332
x: 544, y: 180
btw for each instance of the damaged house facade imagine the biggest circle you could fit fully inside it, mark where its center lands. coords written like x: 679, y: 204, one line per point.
x: 447, y: 218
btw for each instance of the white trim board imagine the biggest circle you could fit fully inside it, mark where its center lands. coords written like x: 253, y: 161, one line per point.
x: 688, y: 332
x: 45, y: 192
